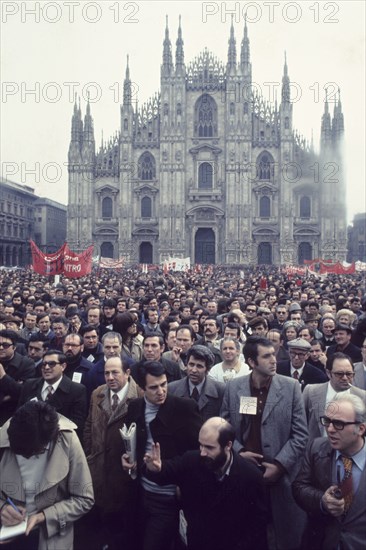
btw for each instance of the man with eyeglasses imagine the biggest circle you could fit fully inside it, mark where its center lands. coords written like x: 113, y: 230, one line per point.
x: 331, y: 485
x: 67, y: 397
x: 281, y: 316
x: 14, y: 369
x: 360, y: 369
x: 339, y: 369
x: 297, y: 366
x: 78, y: 368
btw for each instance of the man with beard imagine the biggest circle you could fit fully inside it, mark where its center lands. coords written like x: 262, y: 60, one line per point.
x: 215, y: 483
x: 78, y: 368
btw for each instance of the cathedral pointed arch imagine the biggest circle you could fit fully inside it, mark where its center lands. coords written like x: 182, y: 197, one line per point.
x: 205, y: 116
x: 265, y: 166
x: 146, y: 167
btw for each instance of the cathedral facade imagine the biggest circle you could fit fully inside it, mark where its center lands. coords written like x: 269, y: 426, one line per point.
x: 208, y: 169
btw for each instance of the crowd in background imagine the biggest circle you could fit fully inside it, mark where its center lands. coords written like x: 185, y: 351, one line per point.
x: 78, y: 343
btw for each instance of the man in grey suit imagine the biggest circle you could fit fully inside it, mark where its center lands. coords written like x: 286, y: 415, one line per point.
x: 331, y: 485
x: 267, y: 412
x: 197, y: 385
x: 340, y: 372
x: 360, y: 369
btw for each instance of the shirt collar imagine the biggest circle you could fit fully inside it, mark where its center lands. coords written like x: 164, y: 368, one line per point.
x: 359, y: 458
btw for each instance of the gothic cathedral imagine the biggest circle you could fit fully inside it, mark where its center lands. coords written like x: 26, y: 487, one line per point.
x: 208, y: 169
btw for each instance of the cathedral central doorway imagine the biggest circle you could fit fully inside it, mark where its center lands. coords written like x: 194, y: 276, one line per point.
x: 204, y: 246
x: 265, y: 253
x: 146, y: 253
x: 106, y: 250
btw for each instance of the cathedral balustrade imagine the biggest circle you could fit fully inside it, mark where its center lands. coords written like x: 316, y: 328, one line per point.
x: 306, y: 221
x: 104, y: 221
x: 146, y: 221
x: 205, y: 195
x: 264, y: 221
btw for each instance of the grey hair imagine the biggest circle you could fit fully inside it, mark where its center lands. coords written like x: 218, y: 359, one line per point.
x: 112, y: 334
x: 231, y: 339
x: 357, y: 403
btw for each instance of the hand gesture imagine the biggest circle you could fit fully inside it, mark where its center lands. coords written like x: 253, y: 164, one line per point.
x: 253, y: 457
x: 153, y: 459
x: 9, y: 516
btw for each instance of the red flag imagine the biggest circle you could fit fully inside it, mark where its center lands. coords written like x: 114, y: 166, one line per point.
x: 78, y: 265
x: 47, y: 264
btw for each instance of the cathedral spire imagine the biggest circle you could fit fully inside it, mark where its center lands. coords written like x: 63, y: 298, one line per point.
x: 179, y: 52
x: 326, y: 126
x: 285, y: 93
x: 76, y: 123
x: 167, y: 53
x: 127, y: 95
x: 231, y: 55
x: 338, y: 120
x: 245, y: 50
x: 88, y: 134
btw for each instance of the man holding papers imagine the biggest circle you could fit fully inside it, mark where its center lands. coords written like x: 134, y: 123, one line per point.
x: 103, y: 448
x: 174, y: 423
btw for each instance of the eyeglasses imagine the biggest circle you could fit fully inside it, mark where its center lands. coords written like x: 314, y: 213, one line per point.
x: 342, y: 374
x: 337, y: 424
x: 298, y: 353
x: 251, y: 310
x: 50, y: 364
x: 5, y: 345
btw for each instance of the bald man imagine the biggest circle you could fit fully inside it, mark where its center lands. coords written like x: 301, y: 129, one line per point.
x: 222, y: 493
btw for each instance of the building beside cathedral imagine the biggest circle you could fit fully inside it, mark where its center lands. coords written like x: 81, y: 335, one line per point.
x: 208, y: 169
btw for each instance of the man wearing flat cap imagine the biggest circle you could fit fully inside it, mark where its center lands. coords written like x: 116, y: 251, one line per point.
x: 297, y: 366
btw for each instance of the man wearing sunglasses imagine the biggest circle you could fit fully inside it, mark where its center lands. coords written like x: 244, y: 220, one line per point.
x: 331, y: 485
x: 340, y: 371
x: 67, y: 397
x: 14, y: 369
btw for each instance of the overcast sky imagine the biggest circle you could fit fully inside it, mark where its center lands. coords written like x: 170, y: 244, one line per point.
x: 50, y: 49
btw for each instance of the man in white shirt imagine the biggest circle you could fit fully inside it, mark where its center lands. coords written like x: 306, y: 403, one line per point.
x: 103, y: 449
x: 340, y: 371
x: 67, y: 397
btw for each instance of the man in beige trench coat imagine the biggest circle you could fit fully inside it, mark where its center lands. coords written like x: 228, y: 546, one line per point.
x: 44, y: 476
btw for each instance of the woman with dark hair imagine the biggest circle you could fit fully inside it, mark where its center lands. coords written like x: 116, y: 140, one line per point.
x: 126, y: 325
x: 44, y: 478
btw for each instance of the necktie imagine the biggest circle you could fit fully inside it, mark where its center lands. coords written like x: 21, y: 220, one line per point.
x: 115, y: 401
x: 295, y: 375
x: 50, y: 392
x: 346, y: 483
x: 195, y: 394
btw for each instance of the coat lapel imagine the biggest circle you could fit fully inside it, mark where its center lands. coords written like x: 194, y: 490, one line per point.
x: 274, y: 397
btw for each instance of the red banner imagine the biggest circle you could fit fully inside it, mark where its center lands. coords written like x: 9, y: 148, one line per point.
x: 78, y: 265
x: 47, y: 264
x: 64, y: 261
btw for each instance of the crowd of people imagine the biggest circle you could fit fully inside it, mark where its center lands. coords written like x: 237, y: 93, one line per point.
x: 247, y: 391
